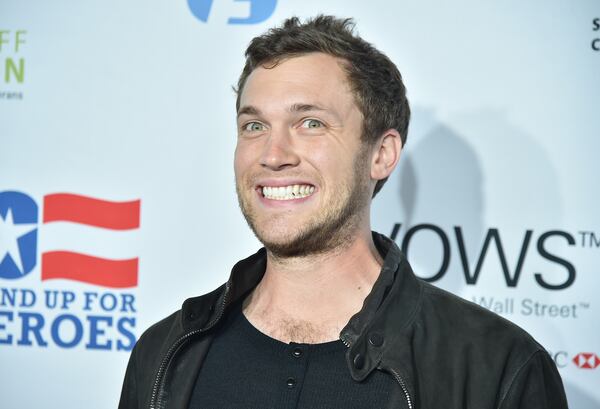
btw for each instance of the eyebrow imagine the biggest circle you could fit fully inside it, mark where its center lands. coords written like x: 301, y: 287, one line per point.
x: 298, y: 107
x: 305, y: 108
x: 248, y: 110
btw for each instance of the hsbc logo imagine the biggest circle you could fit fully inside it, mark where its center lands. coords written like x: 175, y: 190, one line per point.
x: 586, y: 360
x: 583, y: 360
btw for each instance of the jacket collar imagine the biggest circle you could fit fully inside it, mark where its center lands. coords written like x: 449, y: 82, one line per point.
x: 376, y: 336
x: 379, y: 335
x: 203, y: 312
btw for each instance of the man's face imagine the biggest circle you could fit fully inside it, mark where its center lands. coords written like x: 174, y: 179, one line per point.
x: 302, y: 172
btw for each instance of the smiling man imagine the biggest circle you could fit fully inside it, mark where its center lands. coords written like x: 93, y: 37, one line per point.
x: 328, y: 314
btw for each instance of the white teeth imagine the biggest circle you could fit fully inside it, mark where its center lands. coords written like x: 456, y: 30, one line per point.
x: 287, y: 192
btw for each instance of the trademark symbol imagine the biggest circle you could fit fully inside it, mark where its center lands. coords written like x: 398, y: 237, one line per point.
x: 589, y: 239
x: 584, y: 305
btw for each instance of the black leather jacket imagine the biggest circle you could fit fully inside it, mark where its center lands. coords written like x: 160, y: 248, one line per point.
x: 442, y: 351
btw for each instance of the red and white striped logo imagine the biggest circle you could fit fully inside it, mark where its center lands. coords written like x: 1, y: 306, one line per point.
x: 89, y: 225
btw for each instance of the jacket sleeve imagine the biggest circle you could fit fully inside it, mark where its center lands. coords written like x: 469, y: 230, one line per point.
x: 536, y: 385
x: 129, y: 392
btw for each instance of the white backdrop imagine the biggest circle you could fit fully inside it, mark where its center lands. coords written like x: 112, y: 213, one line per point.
x: 127, y: 101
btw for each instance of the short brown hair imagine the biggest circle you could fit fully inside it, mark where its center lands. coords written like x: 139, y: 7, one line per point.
x: 375, y: 80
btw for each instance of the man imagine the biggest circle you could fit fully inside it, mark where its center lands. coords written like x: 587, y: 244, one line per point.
x: 328, y: 314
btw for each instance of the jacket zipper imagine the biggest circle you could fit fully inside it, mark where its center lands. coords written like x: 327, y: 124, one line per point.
x: 396, y: 376
x: 155, y: 403
x: 403, y: 386
x: 344, y: 341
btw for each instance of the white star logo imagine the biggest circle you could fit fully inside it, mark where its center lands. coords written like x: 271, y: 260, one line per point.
x: 9, y: 234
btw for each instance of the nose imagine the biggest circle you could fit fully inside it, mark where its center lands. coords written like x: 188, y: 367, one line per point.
x: 279, y: 151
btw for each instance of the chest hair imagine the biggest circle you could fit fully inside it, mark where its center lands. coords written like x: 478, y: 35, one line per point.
x: 287, y: 329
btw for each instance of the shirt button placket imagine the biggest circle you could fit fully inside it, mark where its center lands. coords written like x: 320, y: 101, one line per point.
x: 291, y: 382
x: 297, y: 364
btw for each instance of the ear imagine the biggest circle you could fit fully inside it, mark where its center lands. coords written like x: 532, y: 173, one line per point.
x: 386, y: 154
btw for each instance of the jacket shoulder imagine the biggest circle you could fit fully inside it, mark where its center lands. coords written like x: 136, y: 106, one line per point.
x: 144, y: 362
x: 151, y: 348
x: 455, y: 338
x: 159, y: 333
x: 471, y: 324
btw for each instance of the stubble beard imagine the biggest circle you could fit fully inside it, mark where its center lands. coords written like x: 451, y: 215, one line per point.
x: 333, y: 229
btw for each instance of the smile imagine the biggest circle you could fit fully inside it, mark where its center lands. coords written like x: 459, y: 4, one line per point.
x: 287, y: 192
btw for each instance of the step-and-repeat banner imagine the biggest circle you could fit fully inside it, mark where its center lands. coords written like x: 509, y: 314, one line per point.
x: 117, y: 200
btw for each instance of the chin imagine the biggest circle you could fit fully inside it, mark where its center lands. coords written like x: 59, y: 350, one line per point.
x: 290, y: 248
x: 283, y: 244
x: 310, y: 239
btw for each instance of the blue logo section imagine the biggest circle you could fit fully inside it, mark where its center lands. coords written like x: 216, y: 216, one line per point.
x: 18, y: 234
x: 200, y: 8
x: 260, y: 10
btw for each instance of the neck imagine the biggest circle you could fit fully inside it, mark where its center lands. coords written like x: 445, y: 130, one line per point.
x: 311, y: 298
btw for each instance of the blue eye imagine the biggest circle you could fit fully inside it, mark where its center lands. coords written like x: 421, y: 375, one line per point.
x: 254, y: 127
x: 311, y: 123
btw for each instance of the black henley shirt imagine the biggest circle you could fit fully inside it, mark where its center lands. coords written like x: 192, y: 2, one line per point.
x: 247, y: 369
